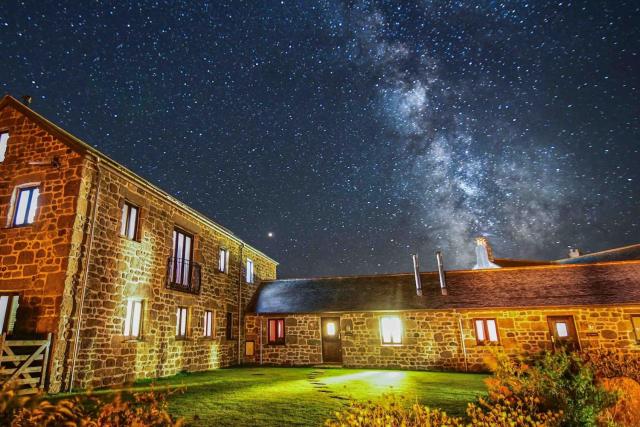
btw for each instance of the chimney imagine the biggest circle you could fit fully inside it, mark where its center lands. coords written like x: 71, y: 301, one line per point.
x: 443, y: 280
x: 26, y: 99
x: 416, y: 274
x: 484, y: 254
x: 574, y: 252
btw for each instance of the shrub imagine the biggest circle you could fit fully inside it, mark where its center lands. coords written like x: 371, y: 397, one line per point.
x: 511, y: 411
x: 626, y: 411
x: 612, y: 364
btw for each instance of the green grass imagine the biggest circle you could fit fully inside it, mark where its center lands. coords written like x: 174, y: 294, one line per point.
x: 305, y: 396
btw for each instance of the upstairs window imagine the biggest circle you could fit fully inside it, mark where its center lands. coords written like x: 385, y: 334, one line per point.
x: 223, y: 260
x: 8, y: 310
x: 249, y: 278
x: 276, y: 331
x: 26, y: 206
x: 486, y: 331
x: 208, y: 324
x: 133, y: 319
x: 182, y: 320
x: 391, y: 330
x: 4, y: 139
x: 129, y: 222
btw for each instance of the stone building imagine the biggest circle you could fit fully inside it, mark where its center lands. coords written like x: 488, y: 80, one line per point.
x: 131, y: 282
x: 451, y: 320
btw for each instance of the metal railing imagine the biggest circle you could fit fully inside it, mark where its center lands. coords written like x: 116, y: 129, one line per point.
x: 183, y: 275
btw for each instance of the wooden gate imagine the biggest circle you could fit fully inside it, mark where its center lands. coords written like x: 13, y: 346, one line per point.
x: 24, y: 363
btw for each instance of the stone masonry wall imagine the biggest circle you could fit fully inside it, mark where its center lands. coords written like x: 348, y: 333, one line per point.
x: 121, y: 269
x: 432, y: 339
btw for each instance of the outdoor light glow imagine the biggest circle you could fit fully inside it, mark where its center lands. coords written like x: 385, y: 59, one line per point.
x: 391, y: 328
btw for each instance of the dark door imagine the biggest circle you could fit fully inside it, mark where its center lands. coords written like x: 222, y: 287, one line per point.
x: 563, y: 333
x: 331, y: 346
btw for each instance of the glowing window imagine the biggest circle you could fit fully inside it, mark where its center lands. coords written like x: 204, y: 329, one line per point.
x: 391, y: 330
x: 562, y: 330
x: 276, y: 331
x: 249, y: 277
x: 223, y: 260
x: 8, y: 310
x: 182, y: 317
x: 26, y: 205
x: 331, y: 329
x: 4, y: 138
x: 486, y: 330
x: 129, y: 222
x: 635, y: 322
x: 208, y: 324
x: 133, y: 319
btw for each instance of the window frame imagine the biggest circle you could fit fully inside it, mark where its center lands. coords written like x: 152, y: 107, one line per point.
x: 391, y: 342
x: 129, y: 206
x: 182, y: 313
x: 4, y: 147
x: 485, y: 329
x: 636, y: 331
x: 129, y: 319
x: 250, y: 272
x: 209, y: 323
x: 280, y: 339
x: 16, y: 205
x: 223, y: 254
x: 12, y: 298
x: 228, y: 327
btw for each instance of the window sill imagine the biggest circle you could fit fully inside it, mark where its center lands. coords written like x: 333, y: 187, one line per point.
x: 132, y: 340
x: 488, y: 344
x: 128, y: 239
x: 221, y: 271
x: 184, y: 339
x: 20, y: 226
x: 273, y: 344
x: 391, y: 345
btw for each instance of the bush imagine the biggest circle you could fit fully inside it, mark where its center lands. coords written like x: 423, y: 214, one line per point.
x: 612, y: 364
x: 626, y: 411
x: 511, y: 411
x: 143, y: 409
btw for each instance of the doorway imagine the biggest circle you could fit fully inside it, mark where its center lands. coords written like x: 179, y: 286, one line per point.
x: 563, y: 333
x: 331, y: 344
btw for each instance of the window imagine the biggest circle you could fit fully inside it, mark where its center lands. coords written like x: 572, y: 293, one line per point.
x: 129, y: 224
x: 133, y: 319
x: 4, y: 138
x: 275, y: 330
x: 486, y: 331
x: 635, y: 322
x: 223, y: 260
x: 208, y: 324
x: 181, y: 260
x: 8, y: 310
x: 391, y: 330
x: 182, y: 320
x: 249, y: 277
x: 229, y: 326
x: 249, y: 348
x: 26, y: 205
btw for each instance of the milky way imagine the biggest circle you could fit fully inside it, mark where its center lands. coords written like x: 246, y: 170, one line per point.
x: 357, y: 133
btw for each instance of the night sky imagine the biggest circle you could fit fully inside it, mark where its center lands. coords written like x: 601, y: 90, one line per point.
x: 356, y: 133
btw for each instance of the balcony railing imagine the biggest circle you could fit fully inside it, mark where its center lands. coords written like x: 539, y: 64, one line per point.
x: 183, y: 275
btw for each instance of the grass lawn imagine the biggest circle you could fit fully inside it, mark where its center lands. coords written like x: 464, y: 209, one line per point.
x: 305, y: 396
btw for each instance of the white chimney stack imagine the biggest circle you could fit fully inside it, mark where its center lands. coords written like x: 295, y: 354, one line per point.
x: 441, y: 276
x: 416, y: 274
x: 484, y: 254
x: 574, y: 252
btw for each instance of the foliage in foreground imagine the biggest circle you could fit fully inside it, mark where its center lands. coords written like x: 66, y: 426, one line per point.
x: 145, y: 409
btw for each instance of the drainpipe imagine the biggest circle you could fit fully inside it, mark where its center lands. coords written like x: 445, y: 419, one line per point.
x: 76, y: 343
x: 464, y: 347
x: 240, y: 303
x: 261, y: 323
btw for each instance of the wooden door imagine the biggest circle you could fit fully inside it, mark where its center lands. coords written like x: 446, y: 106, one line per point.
x: 331, y: 345
x: 563, y: 333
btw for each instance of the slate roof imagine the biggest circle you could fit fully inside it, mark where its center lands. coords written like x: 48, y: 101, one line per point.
x: 625, y: 253
x: 537, y: 286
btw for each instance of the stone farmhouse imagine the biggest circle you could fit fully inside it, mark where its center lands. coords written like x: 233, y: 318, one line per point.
x: 127, y: 282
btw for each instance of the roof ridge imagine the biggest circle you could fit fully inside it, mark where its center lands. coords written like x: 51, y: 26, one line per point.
x: 600, y: 252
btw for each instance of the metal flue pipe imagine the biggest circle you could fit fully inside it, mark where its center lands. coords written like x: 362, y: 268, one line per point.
x: 416, y: 274
x: 443, y: 280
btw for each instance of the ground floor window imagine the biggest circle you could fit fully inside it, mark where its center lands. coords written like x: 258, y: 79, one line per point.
x: 182, y: 320
x: 8, y: 310
x: 208, y: 323
x: 276, y: 331
x: 391, y: 330
x: 133, y: 319
x: 486, y: 331
x: 635, y: 322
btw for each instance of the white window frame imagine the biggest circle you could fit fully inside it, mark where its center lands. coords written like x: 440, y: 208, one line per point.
x: 486, y: 330
x: 223, y: 260
x: 4, y: 144
x: 249, y: 277
x: 391, y: 330
x: 133, y: 319
x: 127, y: 228
x: 8, y: 307
x: 208, y: 326
x: 28, y: 217
x: 182, y: 322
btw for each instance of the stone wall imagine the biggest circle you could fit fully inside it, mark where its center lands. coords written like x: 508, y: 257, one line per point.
x: 432, y: 340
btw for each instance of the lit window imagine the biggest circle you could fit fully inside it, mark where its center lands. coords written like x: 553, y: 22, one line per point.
x: 129, y: 223
x: 331, y: 329
x: 635, y: 322
x: 391, y: 330
x: 8, y: 310
x: 182, y: 318
x: 208, y: 324
x: 26, y: 205
x: 486, y: 330
x: 561, y: 329
x: 133, y: 320
x: 223, y: 260
x: 249, y: 277
x: 4, y: 138
x: 276, y: 331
